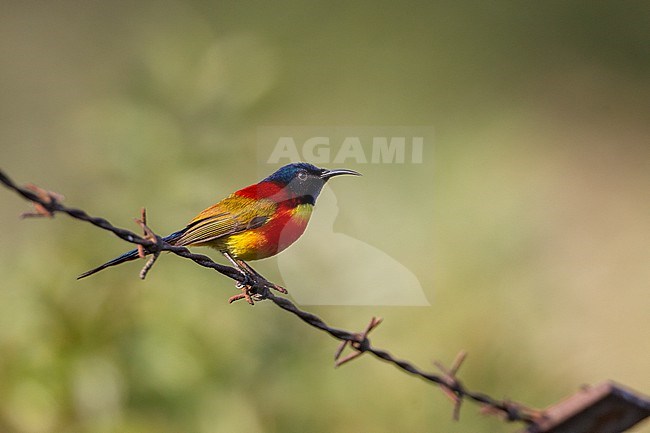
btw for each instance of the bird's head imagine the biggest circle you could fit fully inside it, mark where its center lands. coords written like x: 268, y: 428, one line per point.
x: 304, y: 180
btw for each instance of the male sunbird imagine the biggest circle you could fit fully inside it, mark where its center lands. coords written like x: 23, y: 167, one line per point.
x: 255, y: 222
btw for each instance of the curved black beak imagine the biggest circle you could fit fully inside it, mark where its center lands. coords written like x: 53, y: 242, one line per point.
x: 326, y: 174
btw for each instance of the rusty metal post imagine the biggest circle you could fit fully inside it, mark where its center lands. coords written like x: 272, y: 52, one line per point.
x: 604, y: 408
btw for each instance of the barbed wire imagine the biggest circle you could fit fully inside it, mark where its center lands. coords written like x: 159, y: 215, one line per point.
x: 255, y: 287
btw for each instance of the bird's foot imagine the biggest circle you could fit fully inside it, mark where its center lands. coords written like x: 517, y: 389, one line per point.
x: 250, y: 293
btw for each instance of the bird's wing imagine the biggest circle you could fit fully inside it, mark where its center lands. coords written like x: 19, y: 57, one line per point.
x: 233, y: 214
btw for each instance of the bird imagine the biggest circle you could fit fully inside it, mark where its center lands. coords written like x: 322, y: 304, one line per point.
x: 255, y: 222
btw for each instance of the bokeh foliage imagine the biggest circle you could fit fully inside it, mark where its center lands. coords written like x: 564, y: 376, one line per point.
x: 527, y: 224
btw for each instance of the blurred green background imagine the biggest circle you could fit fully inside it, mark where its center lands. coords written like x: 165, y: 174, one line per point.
x: 528, y: 224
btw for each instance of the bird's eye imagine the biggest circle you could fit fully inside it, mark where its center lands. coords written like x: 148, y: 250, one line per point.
x: 302, y: 175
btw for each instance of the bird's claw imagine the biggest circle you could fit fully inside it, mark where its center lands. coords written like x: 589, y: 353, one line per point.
x: 249, y: 293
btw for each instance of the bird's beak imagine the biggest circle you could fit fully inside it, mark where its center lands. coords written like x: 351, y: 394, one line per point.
x: 326, y: 174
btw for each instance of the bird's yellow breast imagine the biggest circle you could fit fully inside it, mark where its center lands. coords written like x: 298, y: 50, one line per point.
x: 282, y: 230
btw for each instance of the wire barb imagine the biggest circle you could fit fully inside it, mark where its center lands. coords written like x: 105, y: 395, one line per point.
x: 156, y: 244
x: 47, y: 206
x: 452, y: 382
x: 359, y: 343
x: 246, y: 293
x: 142, y: 222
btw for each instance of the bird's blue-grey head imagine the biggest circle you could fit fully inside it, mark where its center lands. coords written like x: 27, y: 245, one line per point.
x: 305, y: 181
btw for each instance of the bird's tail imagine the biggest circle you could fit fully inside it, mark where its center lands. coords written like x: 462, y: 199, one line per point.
x: 126, y: 257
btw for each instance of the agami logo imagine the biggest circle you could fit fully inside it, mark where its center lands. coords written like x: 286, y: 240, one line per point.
x: 335, y: 145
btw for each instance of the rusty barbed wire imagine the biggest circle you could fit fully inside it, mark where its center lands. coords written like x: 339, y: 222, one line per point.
x: 47, y: 204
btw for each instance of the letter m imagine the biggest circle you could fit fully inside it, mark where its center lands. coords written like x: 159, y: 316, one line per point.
x: 386, y: 151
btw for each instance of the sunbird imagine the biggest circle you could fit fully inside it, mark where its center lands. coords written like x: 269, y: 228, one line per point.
x: 255, y: 222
